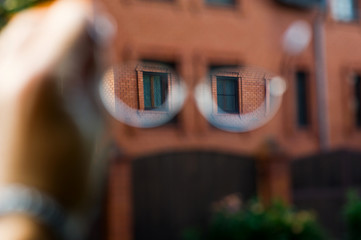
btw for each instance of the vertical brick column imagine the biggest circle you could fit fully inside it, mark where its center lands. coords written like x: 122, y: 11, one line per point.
x: 119, y: 207
x: 140, y: 88
x: 273, y: 173
x: 267, y: 95
x: 214, y: 93
x: 187, y: 115
x: 200, y: 68
x: 240, y: 93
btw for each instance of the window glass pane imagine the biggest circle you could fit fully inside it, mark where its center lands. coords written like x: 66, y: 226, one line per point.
x: 343, y: 10
x: 147, y: 91
x: 221, y: 2
x: 220, y: 103
x: 302, y: 111
x: 230, y: 105
x: 227, y: 94
x: 164, y: 89
x: 358, y: 101
x: 220, y: 87
x: 230, y: 86
x: 157, y: 89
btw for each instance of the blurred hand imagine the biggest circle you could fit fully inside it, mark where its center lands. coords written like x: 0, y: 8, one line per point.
x: 43, y: 143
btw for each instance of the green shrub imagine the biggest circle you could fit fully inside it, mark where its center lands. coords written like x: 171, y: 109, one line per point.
x: 9, y: 7
x: 254, y: 222
x: 352, y: 215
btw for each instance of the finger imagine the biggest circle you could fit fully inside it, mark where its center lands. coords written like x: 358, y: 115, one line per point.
x: 40, y: 48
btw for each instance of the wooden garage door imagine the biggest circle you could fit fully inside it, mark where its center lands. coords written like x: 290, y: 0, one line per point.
x: 176, y: 190
x: 321, y: 182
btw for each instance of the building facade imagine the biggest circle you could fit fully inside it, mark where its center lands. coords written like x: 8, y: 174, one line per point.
x: 161, y: 42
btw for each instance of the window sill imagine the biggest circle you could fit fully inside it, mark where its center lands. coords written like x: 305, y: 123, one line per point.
x: 226, y: 113
x: 351, y: 23
x: 214, y: 5
x: 237, y: 7
x: 153, y: 111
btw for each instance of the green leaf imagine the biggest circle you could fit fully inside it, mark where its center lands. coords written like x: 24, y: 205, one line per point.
x: 10, y: 7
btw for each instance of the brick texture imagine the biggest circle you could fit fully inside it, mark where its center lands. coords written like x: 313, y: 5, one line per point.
x: 195, y: 36
x: 127, y: 84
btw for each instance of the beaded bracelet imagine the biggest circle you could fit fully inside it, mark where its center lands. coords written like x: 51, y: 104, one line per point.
x: 16, y: 198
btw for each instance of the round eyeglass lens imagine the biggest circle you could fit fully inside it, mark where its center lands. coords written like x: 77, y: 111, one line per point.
x: 239, y: 98
x: 142, y: 94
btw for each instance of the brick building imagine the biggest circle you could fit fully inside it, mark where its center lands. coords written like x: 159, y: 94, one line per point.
x: 320, y: 111
x: 145, y: 92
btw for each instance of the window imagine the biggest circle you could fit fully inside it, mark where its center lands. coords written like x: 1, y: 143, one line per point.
x: 221, y: 2
x: 301, y: 98
x: 155, y: 86
x: 303, y: 3
x: 227, y: 94
x: 343, y: 10
x: 357, y: 97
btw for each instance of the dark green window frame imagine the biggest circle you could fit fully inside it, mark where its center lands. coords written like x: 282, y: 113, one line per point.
x: 227, y: 95
x: 302, y: 83
x: 357, y: 97
x: 155, y: 87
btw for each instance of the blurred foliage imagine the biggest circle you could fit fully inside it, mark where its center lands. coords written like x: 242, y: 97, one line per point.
x: 10, y: 7
x: 192, y: 234
x: 254, y: 221
x: 352, y: 215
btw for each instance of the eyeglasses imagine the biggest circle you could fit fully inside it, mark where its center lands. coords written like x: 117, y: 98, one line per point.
x: 234, y: 98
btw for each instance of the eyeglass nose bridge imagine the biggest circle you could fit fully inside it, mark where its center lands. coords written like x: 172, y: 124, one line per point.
x: 216, y: 97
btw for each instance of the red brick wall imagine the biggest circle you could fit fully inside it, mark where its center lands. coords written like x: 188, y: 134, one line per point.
x: 196, y: 36
x: 119, y: 205
x: 128, y: 84
x: 253, y: 90
x: 251, y: 87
